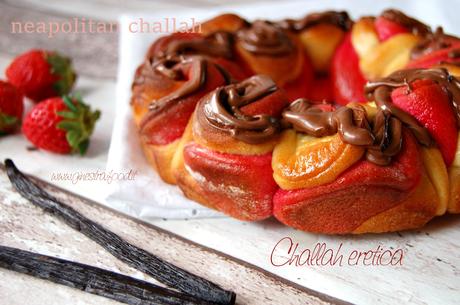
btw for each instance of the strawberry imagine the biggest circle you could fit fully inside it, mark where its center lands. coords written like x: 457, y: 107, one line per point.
x: 41, y: 74
x: 430, y: 104
x: 60, y: 125
x: 11, y: 107
x: 386, y: 28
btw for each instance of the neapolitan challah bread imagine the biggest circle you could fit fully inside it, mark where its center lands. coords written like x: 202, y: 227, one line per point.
x: 329, y: 125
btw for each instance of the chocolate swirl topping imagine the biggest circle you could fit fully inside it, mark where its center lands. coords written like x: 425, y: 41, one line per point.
x: 222, y: 110
x: 415, y: 26
x: 387, y: 131
x: 340, y: 19
x: 433, y: 42
x: 265, y: 38
x: 350, y: 123
x: 173, y: 67
x: 217, y: 44
x: 382, y: 137
x: 454, y: 53
x: 380, y: 91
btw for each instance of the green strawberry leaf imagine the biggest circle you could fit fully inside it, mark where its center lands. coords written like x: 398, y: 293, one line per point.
x: 96, y: 115
x: 77, y: 96
x: 78, y: 122
x: 83, y: 147
x: 61, y: 67
x: 69, y: 125
x: 7, y: 122
x: 69, y: 103
x: 67, y: 114
x: 73, y: 137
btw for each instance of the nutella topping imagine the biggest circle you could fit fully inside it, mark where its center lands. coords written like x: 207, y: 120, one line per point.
x: 387, y: 131
x: 174, y: 67
x: 382, y: 137
x: 339, y: 19
x: 350, y: 123
x: 380, y: 91
x: 218, y: 44
x: 265, y: 38
x: 454, y: 53
x: 415, y: 26
x: 222, y: 110
x: 433, y: 42
x: 193, y: 84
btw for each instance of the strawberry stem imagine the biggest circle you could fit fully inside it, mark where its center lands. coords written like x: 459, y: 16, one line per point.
x: 62, y: 68
x: 78, y: 121
x: 7, y: 122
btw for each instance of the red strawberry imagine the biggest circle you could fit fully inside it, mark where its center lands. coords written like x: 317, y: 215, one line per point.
x: 386, y: 28
x: 11, y: 107
x: 430, y: 105
x: 347, y: 80
x: 41, y: 74
x: 60, y: 125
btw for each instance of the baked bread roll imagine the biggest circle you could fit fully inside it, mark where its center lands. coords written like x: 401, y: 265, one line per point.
x: 329, y: 125
x: 178, y: 71
x: 228, y: 143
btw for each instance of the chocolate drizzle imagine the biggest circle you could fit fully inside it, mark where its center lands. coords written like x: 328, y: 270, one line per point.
x: 217, y: 44
x: 380, y: 91
x: 269, y: 38
x: 174, y: 68
x: 350, y: 123
x: 455, y: 54
x: 413, y: 25
x: 265, y: 38
x: 340, y: 19
x: 433, y: 42
x: 222, y: 110
x: 387, y: 131
x: 381, y: 137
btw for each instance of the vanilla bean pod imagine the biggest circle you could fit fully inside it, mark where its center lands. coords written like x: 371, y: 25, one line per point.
x: 135, y: 257
x: 92, y: 279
